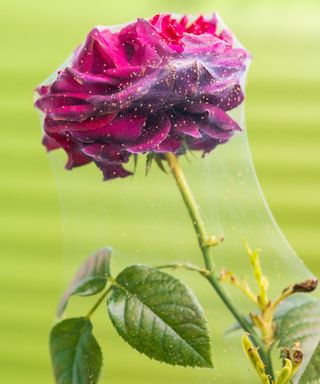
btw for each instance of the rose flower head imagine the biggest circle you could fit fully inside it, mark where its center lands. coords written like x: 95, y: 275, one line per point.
x: 154, y: 86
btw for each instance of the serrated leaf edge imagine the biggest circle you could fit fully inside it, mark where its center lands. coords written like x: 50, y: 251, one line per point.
x: 86, y: 324
x: 208, y: 364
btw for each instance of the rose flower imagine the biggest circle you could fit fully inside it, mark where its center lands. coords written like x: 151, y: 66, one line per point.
x: 159, y: 85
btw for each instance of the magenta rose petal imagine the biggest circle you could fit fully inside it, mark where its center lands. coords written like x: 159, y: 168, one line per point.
x: 231, y: 63
x: 215, y: 132
x: 159, y: 85
x: 203, y: 45
x: 138, y: 52
x: 146, y: 54
x: 50, y: 143
x: 170, y: 144
x: 43, y: 90
x: 91, y: 124
x: 84, y: 57
x: 106, y: 152
x: 54, y: 100
x: 72, y: 148
x: 112, y: 171
x: 71, y: 112
x: 155, y: 132
x: 170, y: 29
x: 187, y: 80
x: 185, y: 125
x: 148, y: 35
x: 224, y: 98
x: 125, y: 98
x: 123, y: 129
x: 102, y: 50
x: 215, y: 117
x: 201, y: 25
x: 124, y: 73
x: 76, y: 158
x: 226, y: 36
x: 110, y: 48
x: 91, y: 80
x: 206, y: 144
x: 141, y: 40
x: 218, y: 117
x: 231, y: 98
x: 66, y: 83
x: 71, y: 107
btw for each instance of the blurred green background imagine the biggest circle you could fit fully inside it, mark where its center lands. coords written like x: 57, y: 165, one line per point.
x: 283, y: 118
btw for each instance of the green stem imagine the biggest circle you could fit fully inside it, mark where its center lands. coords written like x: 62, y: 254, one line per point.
x: 202, y: 237
x: 191, y: 205
x: 101, y: 298
x: 188, y: 266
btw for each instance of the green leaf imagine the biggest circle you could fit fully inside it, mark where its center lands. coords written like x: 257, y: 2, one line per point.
x: 311, y: 374
x: 295, y: 301
x: 150, y: 157
x: 301, y: 324
x: 75, y: 353
x: 160, y: 164
x: 135, y: 162
x: 90, y: 278
x: 160, y: 317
